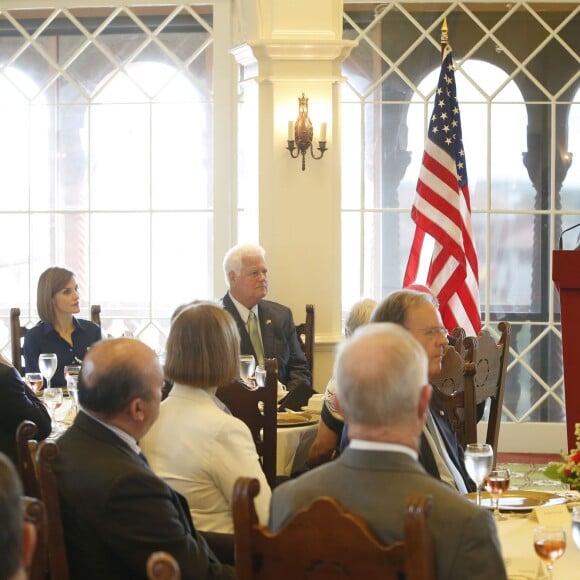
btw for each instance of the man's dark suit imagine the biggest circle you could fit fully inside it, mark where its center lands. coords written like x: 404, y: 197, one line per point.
x: 116, y: 511
x: 375, y: 484
x: 18, y: 403
x: 281, y: 342
x: 454, y: 450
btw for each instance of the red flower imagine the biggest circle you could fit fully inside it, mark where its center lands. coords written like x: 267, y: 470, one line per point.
x: 568, y: 471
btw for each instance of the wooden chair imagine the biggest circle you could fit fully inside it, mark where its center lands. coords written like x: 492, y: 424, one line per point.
x: 17, y: 333
x: 305, y: 332
x: 325, y: 542
x: 488, y: 379
x: 26, y: 446
x: 162, y: 566
x: 467, y: 381
x: 34, y: 513
x: 258, y: 410
x: 57, y: 559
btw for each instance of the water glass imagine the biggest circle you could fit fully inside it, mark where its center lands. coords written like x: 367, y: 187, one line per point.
x: 478, y: 463
x: 47, y: 363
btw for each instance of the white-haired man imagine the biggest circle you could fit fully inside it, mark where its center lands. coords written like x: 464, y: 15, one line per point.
x: 266, y: 328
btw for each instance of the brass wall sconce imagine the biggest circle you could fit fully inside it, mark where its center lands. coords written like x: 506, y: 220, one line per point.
x: 300, y: 134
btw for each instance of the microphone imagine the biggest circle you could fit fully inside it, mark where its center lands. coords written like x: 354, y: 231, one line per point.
x: 563, y: 232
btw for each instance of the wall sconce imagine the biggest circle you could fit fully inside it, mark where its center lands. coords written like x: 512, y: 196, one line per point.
x: 300, y: 134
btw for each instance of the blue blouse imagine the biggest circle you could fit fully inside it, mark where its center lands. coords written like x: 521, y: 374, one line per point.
x: 44, y: 338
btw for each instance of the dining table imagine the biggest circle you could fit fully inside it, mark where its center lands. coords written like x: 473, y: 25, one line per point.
x: 293, y: 441
x: 516, y: 536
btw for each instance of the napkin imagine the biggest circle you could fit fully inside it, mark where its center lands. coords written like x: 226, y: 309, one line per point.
x: 551, y: 515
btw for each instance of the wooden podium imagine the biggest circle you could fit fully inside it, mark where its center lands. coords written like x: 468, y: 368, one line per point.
x: 566, y: 277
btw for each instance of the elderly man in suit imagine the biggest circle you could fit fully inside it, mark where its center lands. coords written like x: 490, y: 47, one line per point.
x: 115, y: 510
x: 439, y: 451
x: 383, y: 391
x: 266, y: 328
x: 17, y: 537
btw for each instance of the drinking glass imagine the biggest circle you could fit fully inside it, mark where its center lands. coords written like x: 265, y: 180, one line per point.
x: 261, y: 376
x: 72, y: 388
x: 550, y: 544
x: 478, y: 462
x: 47, y: 363
x: 247, y: 366
x: 53, y: 399
x: 71, y: 370
x: 576, y: 526
x: 34, y: 381
x: 496, y: 483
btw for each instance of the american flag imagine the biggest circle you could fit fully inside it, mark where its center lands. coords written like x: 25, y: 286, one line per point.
x: 442, y: 210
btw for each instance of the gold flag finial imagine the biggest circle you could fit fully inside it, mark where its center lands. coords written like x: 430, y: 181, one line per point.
x: 444, y: 35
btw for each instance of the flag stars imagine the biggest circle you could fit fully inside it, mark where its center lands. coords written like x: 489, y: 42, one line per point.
x: 446, y: 128
x: 448, y: 141
x: 444, y: 115
x: 441, y: 103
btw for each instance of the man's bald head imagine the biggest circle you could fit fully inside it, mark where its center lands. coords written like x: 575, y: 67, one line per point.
x: 115, y: 372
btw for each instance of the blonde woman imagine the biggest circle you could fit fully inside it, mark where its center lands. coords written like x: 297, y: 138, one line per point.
x: 196, y: 445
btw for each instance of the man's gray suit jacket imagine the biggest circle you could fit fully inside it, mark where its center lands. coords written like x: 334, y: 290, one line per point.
x: 375, y: 484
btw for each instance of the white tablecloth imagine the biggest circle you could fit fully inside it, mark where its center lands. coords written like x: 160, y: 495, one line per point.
x: 293, y: 444
x: 516, y: 537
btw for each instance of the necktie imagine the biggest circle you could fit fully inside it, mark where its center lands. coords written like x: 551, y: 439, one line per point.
x: 449, y: 473
x: 255, y: 337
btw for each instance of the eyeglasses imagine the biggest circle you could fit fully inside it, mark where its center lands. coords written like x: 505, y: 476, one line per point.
x: 432, y: 331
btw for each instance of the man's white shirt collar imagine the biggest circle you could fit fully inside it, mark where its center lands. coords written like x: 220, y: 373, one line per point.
x: 123, y: 435
x: 382, y: 446
x: 242, y: 310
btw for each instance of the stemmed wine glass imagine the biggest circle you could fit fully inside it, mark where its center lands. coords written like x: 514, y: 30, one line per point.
x: 47, y: 363
x: 496, y: 483
x: 478, y: 462
x: 550, y: 544
x: 53, y: 399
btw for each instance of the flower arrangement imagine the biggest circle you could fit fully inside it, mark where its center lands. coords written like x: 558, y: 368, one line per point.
x: 569, y: 470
